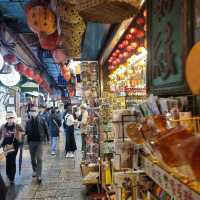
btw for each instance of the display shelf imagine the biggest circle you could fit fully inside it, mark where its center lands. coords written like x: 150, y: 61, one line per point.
x: 173, y: 185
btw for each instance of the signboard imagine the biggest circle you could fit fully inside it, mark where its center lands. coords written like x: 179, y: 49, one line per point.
x: 169, y: 183
x: 167, y: 46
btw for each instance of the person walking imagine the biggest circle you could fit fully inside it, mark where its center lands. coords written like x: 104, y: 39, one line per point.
x: 69, y: 122
x: 11, y: 136
x: 36, y: 131
x: 54, y: 125
x: 3, y: 189
x: 83, y: 127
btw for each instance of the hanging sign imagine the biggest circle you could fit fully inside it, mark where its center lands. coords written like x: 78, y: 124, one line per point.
x: 168, y: 46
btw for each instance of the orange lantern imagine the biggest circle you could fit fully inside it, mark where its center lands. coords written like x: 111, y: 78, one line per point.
x: 29, y: 72
x: 37, y: 77
x: 41, y: 19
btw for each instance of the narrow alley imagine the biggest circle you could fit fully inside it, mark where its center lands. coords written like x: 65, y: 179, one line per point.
x: 61, y: 177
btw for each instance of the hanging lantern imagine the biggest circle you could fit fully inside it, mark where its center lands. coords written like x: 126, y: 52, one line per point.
x: 29, y: 72
x: 37, y: 77
x: 117, y: 51
x: 121, y: 46
x: 140, y: 34
x: 20, y: 67
x: 10, y: 58
x: 111, y: 67
x: 134, y: 45
x: 129, y: 37
x: 120, y: 55
x: 41, y: 20
x: 114, y: 62
x: 129, y: 48
x: 118, y: 61
x: 49, y: 42
x: 59, y: 56
x: 114, y: 54
x: 133, y: 30
x: 140, y: 21
x: 125, y: 54
x: 125, y: 43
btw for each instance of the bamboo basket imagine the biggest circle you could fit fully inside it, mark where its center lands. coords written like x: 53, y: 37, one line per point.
x: 107, y: 11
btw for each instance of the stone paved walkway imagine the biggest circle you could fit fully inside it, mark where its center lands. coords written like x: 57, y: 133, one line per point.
x: 61, y: 177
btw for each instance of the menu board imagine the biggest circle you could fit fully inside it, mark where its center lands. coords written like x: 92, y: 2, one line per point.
x: 167, y: 46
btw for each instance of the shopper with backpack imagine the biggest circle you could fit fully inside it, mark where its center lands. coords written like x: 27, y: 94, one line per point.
x: 36, y: 130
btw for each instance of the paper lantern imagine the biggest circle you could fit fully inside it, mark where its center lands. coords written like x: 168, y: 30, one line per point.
x: 140, y: 34
x: 41, y: 19
x: 129, y: 48
x: 118, y: 61
x: 114, y: 54
x: 111, y: 67
x: 125, y: 54
x: 117, y: 51
x: 134, y: 45
x: 29, y: 72
x: 114, y: 62
x: 59, y: 56
x: 10, y: 58
x: 120, y: 55
x: 49, y: 42
x: 121, y: 46
x: 133, y: 30
x: 37, y: 77
x: 20, y: 67
x: 140, y: 21
x: 125, y: 43
x: 129, y: 37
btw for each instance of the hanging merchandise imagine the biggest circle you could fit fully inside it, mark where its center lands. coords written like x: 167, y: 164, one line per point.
x: 69, y: 13
x: 108, y: 12
x: 49, y: 42
x: 41, y: 20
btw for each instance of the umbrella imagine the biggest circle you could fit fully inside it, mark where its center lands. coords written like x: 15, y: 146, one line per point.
x: 20, y: 156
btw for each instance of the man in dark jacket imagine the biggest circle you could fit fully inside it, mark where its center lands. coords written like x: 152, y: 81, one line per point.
x: 36, y: 130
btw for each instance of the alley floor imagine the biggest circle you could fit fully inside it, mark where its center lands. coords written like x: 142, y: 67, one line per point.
x: 61, y: 177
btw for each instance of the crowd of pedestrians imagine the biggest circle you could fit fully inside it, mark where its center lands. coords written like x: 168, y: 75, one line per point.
x: 41, y: 128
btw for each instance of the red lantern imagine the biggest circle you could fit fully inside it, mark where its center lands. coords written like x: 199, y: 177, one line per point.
x: 129, y: 37
x: 111, y: 67
x: 133, y: 30
x: 118, y: 61
x: 120, y: 55
x: 134, y: 45
x: 37, y: 77
x: 114, y: 62
x: 140, y: 34
x: 110, y: 61
x: 140, y: 21
x: 129, y: 48
x: 20, y: 67
x: 125, y: 43
x: 117, y: 51
x: 125, y: 54
x: 29, y: 72
x: 114, y: 54
x: 121, y: 46
x: 10, y: 58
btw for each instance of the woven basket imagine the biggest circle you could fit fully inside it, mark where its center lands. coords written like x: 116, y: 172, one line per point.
x: 108, y: 11
x: 73, y: 29
x: 69, y: 13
